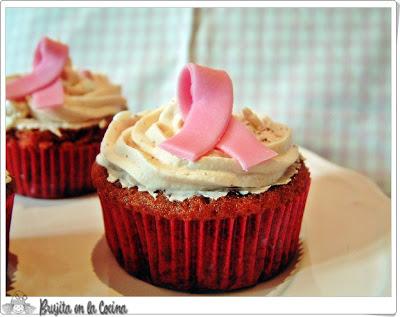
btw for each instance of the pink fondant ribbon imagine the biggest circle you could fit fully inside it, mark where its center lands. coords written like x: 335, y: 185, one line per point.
x: 44, y: 82
x: 50, y: 96
x: 205, y: 97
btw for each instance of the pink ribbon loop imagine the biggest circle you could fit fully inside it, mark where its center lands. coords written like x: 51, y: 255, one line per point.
x: 205, y: 97
x: 48, y: 63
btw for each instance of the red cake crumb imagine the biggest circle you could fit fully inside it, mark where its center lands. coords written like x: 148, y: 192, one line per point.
x: 36, y: 137
x: 199, y: 207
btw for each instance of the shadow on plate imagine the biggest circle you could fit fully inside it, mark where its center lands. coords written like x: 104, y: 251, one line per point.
x: 345, y: 213
x: 29, y: 202
x: 110, y: 273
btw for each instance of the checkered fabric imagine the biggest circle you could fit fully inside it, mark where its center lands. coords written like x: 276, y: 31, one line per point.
x: 323, y: 71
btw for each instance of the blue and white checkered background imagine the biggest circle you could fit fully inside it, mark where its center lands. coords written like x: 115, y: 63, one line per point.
x: 324, y: 71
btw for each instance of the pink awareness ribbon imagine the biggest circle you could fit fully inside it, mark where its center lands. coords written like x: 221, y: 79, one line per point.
x: 205, y: 98
x: 44, y: 82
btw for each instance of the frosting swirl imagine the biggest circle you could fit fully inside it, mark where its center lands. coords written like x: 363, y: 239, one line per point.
x: 8, y: 177
x: 88, y: 99
x: 131, y: 154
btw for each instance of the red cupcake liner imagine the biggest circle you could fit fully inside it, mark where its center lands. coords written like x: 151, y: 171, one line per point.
x: 55, y: 171
x: 210, y: 254
x: 9, y: 208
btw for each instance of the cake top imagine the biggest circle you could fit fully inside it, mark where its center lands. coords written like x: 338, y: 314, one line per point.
x: 55, y: 96
x: 134, y: 150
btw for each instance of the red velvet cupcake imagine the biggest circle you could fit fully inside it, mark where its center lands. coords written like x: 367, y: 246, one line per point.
x: 196, y: 199
x: 56, y: 118
x: 9, y: 206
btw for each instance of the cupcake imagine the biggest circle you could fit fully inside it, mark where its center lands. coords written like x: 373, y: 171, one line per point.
x: 56, y: 118
x: 195, y: 198
x: 9, y: 206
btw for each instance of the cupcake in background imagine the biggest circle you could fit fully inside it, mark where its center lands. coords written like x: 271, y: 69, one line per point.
x: 9, y: 206
x: 195, y: 198
x: 56, y: 117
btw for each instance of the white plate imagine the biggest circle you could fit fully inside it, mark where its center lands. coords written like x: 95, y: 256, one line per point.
x: 59, y: 247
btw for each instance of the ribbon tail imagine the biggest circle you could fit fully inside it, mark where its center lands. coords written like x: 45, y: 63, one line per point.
x: 239, y: 143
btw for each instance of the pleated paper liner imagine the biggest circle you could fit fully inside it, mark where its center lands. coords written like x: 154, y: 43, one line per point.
x: 9, y: 208
x: 207, y: 254
x: 54, y: 171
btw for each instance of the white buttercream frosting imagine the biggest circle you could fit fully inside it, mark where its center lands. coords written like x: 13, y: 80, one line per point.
x: 88, y: 100
x: 131, y: 154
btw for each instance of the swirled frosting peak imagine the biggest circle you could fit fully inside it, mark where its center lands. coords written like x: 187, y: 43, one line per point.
x: 131, y: 154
